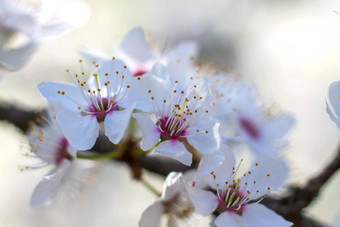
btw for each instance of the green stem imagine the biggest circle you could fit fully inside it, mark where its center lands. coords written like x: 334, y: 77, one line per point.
x: 150, y: 187
x: 95, y: 157
x: 139, y: 152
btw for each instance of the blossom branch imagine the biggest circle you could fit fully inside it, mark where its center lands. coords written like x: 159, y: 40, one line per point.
x: 290, y: 206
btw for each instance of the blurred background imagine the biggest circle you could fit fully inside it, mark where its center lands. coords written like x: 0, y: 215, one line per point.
x: 289, y: 49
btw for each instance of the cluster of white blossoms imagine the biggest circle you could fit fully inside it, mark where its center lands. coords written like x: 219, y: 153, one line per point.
x: 183, y: 113
x: 24, y: 24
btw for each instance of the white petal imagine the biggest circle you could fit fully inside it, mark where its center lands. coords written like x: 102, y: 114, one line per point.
x: 139, y: 91
x: 173, y: 185
x: 116, y: 124
x: 111, y: 67
x: 160, y: 71
x: 224, y: 170
x: 176, y: 150
x: 205, y: 143
x: 48, y: 187
x: 259, y: 215
x: 267, y: 164
x: 230, y: 219
x: 14, y: 59
x: 151, y: 217
x: 278, y: 126
x: 180, y: 61
x: 93, y: 55
x: 150, y: 131
x: 63, y: 18
x: 135, y: 47
x: 210, y: 162
x: 50, y: 91
x: 205, y: 202
x: 80, y: 131
x: 332, y: 116
x: 334, y: 94
x: 22, y: 23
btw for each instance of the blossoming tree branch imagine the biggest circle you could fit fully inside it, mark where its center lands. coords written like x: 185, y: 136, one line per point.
x: 165, y: 114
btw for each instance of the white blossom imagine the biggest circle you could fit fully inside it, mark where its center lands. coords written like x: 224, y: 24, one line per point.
x: 109, y: 96
x: 182, y: 120
x: 174, y: 202
x: 237, y: 193
x: 23, y: 24
x: 140, y: 58
x: 244, y: 119
x: 49, y: 145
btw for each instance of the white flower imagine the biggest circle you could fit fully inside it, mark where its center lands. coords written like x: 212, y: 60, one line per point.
x: 23, y: 24
x: 139, y: 57
x: 334, y: 97
x: 174, y: 201
x: 182, y: 119
x: 243, y: 119
x: 237, y: 191
x: 109, y: 95
x: 50, y: 146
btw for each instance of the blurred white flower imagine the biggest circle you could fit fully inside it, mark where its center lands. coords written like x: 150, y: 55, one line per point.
x: 23, y: 24
x: 334, y: 99
x: 174, y: 202
x: 182, y: 118
x: 50, y: 146
x: 237, y: 192
x: 139, y: 57
x: 244, y: 119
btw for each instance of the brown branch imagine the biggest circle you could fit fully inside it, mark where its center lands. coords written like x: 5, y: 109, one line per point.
x: 290, y: 206
x: 20, y: 118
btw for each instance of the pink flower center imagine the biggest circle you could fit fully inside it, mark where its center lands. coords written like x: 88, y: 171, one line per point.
x: 231, y: 200
x: 250, y: 128
x: 61, y: 152
x: 140, y: 72
x: 101, y: 107
x: 172, y: 128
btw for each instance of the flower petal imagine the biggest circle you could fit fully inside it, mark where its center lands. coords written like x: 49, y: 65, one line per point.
x: 14, y: 59
x: 151, y: 217
x: 22, y: 23
x: 93, y: 55
x: 334, y: 93
x: 80, y: 131
x: 116, y: 124
x: 270, y: 172
x: 230, y: 219
x: 223, y: 171
x: 332, y: 116
x: 210, y: 162
x: 139, y: 91
x: 135, y: 47
x: 63, y: 19
x: 278, y: 126
x: 50, y: 91
x: 176, y: 150
x: 205, y: 143
x: 205, y: 202
x: 258, y: 215
x: 150, y: 132
x: 48, y: 187
x: 180, y: 61
x: 173, y: 185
